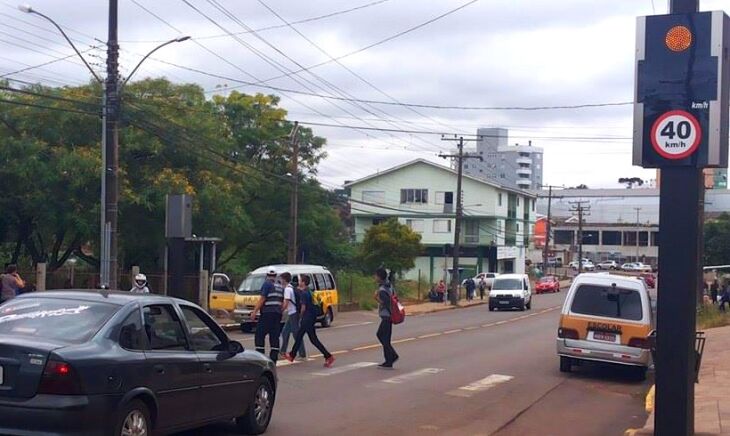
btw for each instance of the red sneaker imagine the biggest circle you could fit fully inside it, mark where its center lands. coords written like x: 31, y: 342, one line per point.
x: 289, y: 357
x: 328, y: 362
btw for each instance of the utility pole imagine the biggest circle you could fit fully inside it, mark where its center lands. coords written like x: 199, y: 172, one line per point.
x: 548, y: 225
x: 294, y: 202
x: 637, y: 209
x: 111, y: 148
x: 455, y: 279
x: 580, y: 208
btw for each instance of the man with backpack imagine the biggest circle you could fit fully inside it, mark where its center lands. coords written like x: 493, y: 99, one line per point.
x: 293, y: 305
x: 311, y: 309
x: 384, y: 297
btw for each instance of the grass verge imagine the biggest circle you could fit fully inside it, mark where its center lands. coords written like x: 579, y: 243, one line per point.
x: 710, y: 317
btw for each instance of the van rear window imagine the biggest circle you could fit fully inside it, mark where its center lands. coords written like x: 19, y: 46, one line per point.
x: 608, y: 302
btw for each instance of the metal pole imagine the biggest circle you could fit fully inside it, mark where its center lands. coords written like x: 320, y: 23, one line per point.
x: 103, y: 258
x: 580, y: 239
x: 681, y: 214
x: 546, y: 249
x: 213, y: 254
x: 294, y: 201
x: 457, y: 225
x: 637, y: 209
x: 111, y: 163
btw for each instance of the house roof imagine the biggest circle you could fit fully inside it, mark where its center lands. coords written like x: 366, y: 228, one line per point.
x: 442, y: 168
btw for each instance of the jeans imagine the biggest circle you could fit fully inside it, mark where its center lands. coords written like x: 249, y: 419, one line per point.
x: 269, y: 324
x: 307, y: 326
x: 291, y: 328
x: 385, y: 332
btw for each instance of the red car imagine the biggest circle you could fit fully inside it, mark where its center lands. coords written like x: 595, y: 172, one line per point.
x: 648, y: 279
x: 547, y: 284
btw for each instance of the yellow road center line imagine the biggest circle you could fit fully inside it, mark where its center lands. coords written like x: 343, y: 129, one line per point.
x: 432, y: 335
x: 340, y: 352
x: 400, y: 341
x: 448, y: 332
x: 366, y: 347
x: 471, y: 328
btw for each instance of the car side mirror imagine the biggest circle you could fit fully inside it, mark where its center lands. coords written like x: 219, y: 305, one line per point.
x: 235, y: 347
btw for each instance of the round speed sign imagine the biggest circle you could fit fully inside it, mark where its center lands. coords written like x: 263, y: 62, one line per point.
x: 676, y: 134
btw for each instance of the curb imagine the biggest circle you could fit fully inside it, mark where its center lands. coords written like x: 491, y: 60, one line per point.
x: 445, y: 308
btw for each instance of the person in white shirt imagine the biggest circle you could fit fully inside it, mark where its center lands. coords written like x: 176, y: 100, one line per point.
x: 292, y: 309
x: 140, y: 285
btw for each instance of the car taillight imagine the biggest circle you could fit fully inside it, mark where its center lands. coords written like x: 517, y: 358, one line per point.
x: 59, y: 378
x: 639, y: 343
x: 567, y: 333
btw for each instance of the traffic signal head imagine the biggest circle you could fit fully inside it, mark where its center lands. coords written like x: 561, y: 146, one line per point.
x: 681, y: 94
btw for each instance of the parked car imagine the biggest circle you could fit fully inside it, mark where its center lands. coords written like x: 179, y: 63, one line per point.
x: 608, y: 265
x: 642, y: 267
x: 649, y: 279
x: 587, y: 265
x: 547, y: 284
x: 222, y: 294
x: 116, y: 363
x: 605, y: 318
x: 488, y: 278
x: 511, y: 291
x: 629, y: 267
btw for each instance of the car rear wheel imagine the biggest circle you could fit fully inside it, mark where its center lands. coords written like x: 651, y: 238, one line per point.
x: 134, y: 420
x: 257, y: 417
x: 246, y: 327
x: 328, y: 318
x: 491, y: 308
x: 566, y: 364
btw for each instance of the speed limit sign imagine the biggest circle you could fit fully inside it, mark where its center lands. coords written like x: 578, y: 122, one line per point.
x: 676, y: 134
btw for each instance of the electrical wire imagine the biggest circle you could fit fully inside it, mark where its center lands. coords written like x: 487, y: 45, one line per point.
x: 37, y: 106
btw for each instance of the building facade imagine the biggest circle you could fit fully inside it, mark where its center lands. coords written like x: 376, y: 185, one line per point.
x: 495, y: 232
x: 516, y: 166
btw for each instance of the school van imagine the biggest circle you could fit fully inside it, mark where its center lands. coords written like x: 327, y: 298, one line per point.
x: 510, y: 291
x: 606, y: 318
x: 321, y: 281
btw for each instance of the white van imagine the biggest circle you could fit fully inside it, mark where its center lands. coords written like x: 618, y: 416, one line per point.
x: 510, y: 291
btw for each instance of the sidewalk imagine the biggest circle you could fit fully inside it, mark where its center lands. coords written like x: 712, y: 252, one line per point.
x: 712, y: 393
x: 424, y: 308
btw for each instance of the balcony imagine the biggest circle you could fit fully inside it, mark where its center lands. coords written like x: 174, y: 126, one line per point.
x: 525, y: 171
x: 523, y: 160
x: 524, y: 183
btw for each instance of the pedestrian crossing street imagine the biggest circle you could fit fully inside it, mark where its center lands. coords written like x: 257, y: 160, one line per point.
x: 466, y: 391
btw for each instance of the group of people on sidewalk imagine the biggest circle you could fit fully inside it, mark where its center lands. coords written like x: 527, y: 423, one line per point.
x: 278, y: 296
x: 718, y: 294
x: 439, y: 293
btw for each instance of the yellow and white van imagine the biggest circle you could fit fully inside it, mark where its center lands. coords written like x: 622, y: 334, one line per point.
x: 606, y: 318
x: 321, y: 281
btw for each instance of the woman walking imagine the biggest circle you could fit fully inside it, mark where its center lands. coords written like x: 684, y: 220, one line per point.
x: 309, y: 317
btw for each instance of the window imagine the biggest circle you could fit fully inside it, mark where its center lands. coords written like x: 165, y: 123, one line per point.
x: 131, y: 336
x: 442, y: 226
x: 49, y: 318
x: 444, y: 197
x: 319, y: 282
x: 201, y: 335
x: 330, y: 281
x: 564, y: 237
x: 533, y: 205
x: 378, y: 220
x: 590, y: 237
x: 630, y: 239
x: 654, y: 239
x: 508, y: 284
x: 377, y: 197
x: 414, y: 196
x: 518, y: 201
x: 524, y: 176
x: 611, y: 238
x: 220, y: 284
x: 415, y: 225
x: 644, y: 239
x: 163, y: 328
x: 499, y: 199
x: 608, y: 302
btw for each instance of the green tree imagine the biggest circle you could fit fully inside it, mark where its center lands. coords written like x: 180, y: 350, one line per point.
x: 391, y: 244
x: 717, y: 241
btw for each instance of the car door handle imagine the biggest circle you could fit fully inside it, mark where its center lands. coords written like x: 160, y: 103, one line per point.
x: 159, y: 369
x: 207, y: 367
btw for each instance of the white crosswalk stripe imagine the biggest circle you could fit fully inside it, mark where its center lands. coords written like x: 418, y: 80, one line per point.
x: 480, y: 385
x: 344, y: 368
x: 413, y: 375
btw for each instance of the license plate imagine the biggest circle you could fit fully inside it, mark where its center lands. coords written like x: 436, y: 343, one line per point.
x: 601, y: 336
x: 504, y: 302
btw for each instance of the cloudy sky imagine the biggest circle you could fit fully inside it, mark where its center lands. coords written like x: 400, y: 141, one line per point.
x: 490, y: 53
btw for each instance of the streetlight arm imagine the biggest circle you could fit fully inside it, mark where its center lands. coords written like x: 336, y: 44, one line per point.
x: 181, y: 39
x: 29, y: 10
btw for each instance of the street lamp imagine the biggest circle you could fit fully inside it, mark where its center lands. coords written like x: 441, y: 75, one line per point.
x: 110, y: 138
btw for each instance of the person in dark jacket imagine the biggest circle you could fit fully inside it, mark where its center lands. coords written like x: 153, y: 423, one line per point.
x: 309, y: 317
x: 271, y: 304
x: 385, y: 330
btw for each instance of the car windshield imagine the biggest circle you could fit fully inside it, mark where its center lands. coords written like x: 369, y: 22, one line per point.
x: 58, y: 319
x: 507, y: 284
x: 608, y: 302
x: 547, y: 280
x: 252, y: 284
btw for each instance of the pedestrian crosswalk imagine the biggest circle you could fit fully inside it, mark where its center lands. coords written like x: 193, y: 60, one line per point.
x: 344, y: 368
x: 480, y: 385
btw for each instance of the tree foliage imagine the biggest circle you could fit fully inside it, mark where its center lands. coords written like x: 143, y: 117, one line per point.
x: 717, y: 241
x: 390, y: 244
x: 631, y: 181
x: 231, y: 153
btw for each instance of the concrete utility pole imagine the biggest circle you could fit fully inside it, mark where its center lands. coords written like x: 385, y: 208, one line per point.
x: 548, y: 225
x: 294, y: 202
x: 455, y: 276
x: 637, y: 209
x: 580, y: 208
x: 111, y: 149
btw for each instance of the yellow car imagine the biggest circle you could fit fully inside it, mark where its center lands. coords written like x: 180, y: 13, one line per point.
x: 320, y: 279
x: 222, y: 294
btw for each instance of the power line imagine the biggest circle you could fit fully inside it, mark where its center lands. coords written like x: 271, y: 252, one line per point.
x: 78, y: 111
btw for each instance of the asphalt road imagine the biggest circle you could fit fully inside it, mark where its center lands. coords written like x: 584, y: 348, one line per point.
x: 462, y: 372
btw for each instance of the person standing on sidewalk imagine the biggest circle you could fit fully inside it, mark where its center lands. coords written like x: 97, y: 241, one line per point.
x: 271, y: 305
x: 309, y: 317
x: 470, y: 287
x: 293, y: 304
x: 385, y: 330
x: 482, y: 287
